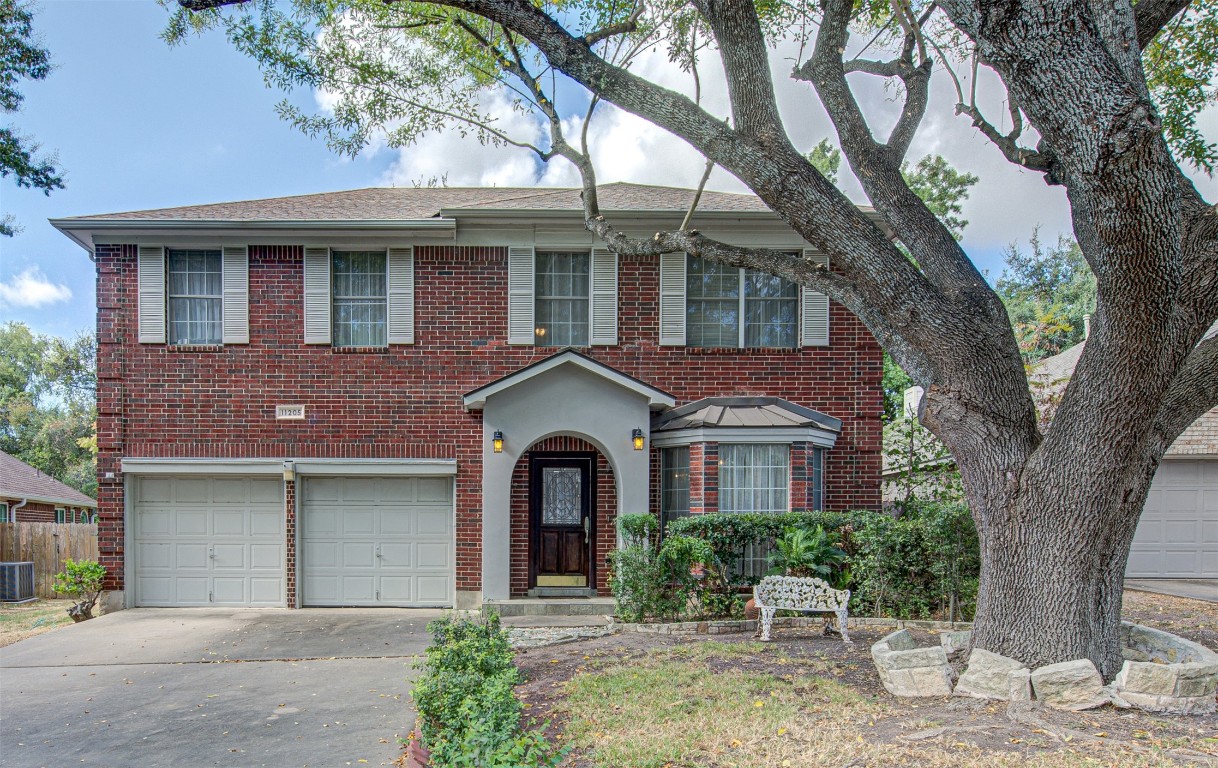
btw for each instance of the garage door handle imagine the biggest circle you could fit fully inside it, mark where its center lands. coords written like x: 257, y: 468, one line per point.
x: 378, y: 550
x: 211, y: 552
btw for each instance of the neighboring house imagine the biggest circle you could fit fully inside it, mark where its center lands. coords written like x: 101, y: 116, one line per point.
x: 29, y: 496
x: 440, y: 397
x: 1177, y: 535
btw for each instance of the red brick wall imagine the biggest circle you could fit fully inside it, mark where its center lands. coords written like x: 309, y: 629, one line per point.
x: 605, y: 517
x: 41, y: 512
x: 158, y: 401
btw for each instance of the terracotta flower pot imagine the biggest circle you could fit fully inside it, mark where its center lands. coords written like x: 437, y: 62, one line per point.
x: 750, y: 610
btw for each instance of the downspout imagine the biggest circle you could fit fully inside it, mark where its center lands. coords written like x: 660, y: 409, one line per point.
x: 13, y: 510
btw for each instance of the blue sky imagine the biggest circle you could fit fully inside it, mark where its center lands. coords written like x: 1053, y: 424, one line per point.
x: 137, y: 124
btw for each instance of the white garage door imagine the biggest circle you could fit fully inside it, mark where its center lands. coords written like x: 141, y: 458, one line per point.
x: 1177, y: 536
x: 377, y: 541
x: 209, y: 541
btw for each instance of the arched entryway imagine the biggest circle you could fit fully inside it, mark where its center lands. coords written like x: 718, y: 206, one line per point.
x: 552, y: 553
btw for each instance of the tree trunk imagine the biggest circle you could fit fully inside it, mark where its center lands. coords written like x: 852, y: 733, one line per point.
x: 1053, y: 557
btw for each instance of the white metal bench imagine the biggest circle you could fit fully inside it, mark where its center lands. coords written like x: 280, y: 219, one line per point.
x: 799, y: 593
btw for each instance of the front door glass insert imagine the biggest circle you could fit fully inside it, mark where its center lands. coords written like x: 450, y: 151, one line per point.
x: 561, y: 494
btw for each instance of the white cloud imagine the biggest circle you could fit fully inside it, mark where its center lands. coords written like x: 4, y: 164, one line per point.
x: 31, y: 288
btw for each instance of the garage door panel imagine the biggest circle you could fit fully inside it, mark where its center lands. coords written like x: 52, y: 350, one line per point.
x: 341, y: 536
x: 357, y: 522
x: 231, y: 591
x: 266, y: 523
x: 1177, y: 535
x: 434, y: 555
x: 190, y: 590
x: 397, y: 521
x: 396, y: 554
x: 397, y: 589
x: 434, y: 489
x: 229, y: 522
x: 190, y: 555
x: 201, y: 546
x: 359, y: 589
x: 189, y: 522
x: 321, y: 554
x: 266, y: 557
x: 432, y: 590
x: 435, y: 522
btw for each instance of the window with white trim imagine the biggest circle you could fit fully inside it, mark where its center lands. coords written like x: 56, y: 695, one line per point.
x: 4, y: 513
x: 359, y: 294
x: 561, y: 296
x: 61, y: 515
x: 754, y: 477
x: 195, y: 296
x: 674, y: 484
x: 735, y: 307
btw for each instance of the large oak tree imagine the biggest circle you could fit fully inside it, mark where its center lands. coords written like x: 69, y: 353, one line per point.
x: 1055, y: 510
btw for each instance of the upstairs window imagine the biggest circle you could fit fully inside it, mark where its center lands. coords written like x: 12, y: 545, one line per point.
x: 195, y: 296
x: 561, y: 295
x: 359, y: 298
x: 731, y: 307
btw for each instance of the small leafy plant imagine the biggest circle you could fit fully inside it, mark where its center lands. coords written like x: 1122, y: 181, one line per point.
x: 806, y: 552
x: 469, y: 716
x: 81, y: 579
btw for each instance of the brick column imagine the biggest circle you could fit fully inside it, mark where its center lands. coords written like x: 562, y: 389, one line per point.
x: 289, y: 551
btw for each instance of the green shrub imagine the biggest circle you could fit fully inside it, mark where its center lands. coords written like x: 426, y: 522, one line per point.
x: 468, y: 711
x: 922, y: 564
x: 806, y: 552
x: 655, y: 581
x: 81, y: 579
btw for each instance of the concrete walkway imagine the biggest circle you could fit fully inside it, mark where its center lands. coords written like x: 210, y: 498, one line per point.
x: 213, y: 687
x: 1196, y: 589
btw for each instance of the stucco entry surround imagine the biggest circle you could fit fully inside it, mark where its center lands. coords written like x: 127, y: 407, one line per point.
x: 566, y: 394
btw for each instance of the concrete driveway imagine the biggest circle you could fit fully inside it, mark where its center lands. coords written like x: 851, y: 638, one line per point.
x: 213, y: 687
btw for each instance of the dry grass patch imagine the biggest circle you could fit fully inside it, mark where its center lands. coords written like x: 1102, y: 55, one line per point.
x: 685, y: 706
x: 17, y: 622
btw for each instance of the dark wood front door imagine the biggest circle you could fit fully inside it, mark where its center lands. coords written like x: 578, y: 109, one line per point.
x: 561, y: 505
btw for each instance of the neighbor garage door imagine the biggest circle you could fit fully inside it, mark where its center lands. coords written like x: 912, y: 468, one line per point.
x: 377, y: 541
x: 1177, y: 536
x: 209, y: 541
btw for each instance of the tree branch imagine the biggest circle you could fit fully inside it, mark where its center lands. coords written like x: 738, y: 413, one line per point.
x: 1193, y: 392
x: 622, y: 27
x: 1150, y: 16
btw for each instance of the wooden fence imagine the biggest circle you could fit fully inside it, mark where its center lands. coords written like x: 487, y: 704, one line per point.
x: 48, y: 545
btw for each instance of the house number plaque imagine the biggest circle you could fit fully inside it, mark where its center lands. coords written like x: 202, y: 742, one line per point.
x: 289, y: 412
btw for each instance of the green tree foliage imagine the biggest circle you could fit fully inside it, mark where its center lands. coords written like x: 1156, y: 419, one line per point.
x: 1182, y: 72
x: 81, y: 579
x: 21, y: 58
x: 1047, y: 292
x: 48, y: 390
x: 826, y: 158
x: 942, y: 188
x: 896, y: 381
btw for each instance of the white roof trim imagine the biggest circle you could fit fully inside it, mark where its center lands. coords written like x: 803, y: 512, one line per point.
x: 679, y: 437
x: 377, y: 467
x: 656, y: 399
x: 9, y: 497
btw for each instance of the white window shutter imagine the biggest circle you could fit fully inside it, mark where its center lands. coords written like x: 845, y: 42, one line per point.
x: 152, y: 294
x: 814, y: 325
x: 401, y: 295
x: 236, y: 277
x: 317, y: 295
x: 604, y: 297
x: 672, y: 299
x: 520, y: 295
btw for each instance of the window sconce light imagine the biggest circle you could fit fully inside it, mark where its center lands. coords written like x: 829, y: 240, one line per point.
x: 637, y: 437
x: 289, y: 470
x: 497, y: 441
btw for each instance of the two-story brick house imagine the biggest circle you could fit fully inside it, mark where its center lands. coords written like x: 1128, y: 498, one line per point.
x: 434, y: 397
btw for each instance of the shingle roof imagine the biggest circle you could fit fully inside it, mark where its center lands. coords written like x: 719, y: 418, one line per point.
x: 754, y: 412
x: 412, y: 204
x: 19, y: 480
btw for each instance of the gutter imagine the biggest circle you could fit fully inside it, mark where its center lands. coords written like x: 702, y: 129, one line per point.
x: 12, y: 512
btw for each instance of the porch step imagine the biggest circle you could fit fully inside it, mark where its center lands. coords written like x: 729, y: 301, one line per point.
x: 551, y: 606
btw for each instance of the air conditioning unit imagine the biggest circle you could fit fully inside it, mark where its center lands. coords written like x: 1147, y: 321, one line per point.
x: 16, y: 582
